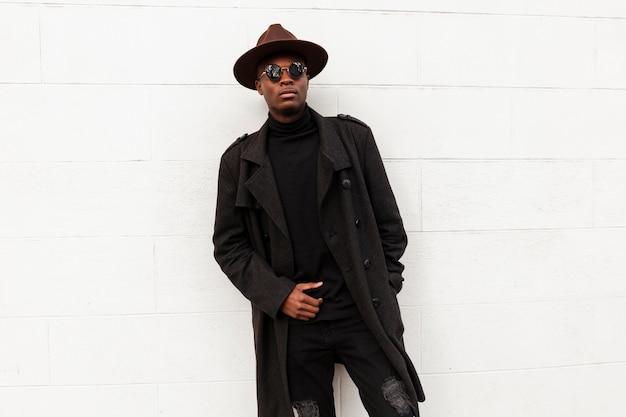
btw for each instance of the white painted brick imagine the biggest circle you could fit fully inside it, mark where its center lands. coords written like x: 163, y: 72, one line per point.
x: 330, y: 5
x: 461, y: 6
x: 434, y: 123
x: 491, y: 195
x: 607, y: 389
x: 569, y: 124
x: 105, y: 350
x: 560, y: 392
x: 607, y: 8
x: 24, y: 352
x: 138, y: 45
x: 601, y: 8
x: 199, y: 123
x: 404, y: 179
x: 464, y: 49
x: 73, y: 123
x: 216, y: 399
x: 608, y: 335
x: 189, y: 279
x: 505, y: 51
x: 552, y: 52
x: 370, y: 39
x: 570, y: 265
x: 322, y: 99
x: 485, y: 6
x: 19, y: 44
x: 147, y: 349
x: 460, y: 267
x: 206, y: 348
x: 106, y: 199
x: 463, y: 394
x: 516, y: 266
x: 608, y: 193
x: 611, y: 60
x: 570, y: 392
x: 90, y: 45
x: 489, y: 337
x: 191, y: 123
x: 76, y: 401
x: 76, y: 277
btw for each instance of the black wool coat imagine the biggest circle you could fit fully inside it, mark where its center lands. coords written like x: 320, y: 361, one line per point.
x: 359, y: 221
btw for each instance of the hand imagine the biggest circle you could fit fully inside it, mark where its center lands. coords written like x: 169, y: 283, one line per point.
x: 301, y: 306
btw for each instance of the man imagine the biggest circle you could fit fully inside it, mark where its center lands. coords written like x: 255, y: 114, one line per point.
x: 307, y: 228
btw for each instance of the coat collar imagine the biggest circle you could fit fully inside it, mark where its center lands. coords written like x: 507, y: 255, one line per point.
x: 331, y: 146
x: 261, y: 183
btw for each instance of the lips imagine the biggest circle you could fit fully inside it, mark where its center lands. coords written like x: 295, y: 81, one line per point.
x: 288, y: 91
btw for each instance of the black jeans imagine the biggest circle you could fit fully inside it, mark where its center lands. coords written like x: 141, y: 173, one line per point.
x: 313, y: 350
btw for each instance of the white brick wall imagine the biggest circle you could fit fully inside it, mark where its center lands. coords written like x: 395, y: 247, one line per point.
x: 502, y: 125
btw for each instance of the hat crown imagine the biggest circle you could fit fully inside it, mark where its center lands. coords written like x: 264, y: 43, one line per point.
x: 275, y: 33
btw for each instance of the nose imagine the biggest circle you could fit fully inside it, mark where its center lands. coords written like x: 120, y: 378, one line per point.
x: 285, y: 78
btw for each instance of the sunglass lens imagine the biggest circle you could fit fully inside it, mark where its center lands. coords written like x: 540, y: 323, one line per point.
x: 296, y: 70
x: 273, y: 72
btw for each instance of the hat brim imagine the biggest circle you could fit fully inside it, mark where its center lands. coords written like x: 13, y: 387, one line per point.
x: 246, y: 66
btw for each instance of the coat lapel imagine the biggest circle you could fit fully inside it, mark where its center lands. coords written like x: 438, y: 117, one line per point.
x: 332, y: 157
x: 258, y: 176
x: 260, y: 180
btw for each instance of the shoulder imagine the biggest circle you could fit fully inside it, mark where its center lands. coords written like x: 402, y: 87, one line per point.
x: 237, y: 143
x: 350, y: 126
x: 236, y: 148
x: 351, y: 120
x: 351, y: 129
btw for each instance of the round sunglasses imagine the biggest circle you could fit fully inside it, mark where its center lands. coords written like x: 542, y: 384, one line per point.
x: 274, y: 73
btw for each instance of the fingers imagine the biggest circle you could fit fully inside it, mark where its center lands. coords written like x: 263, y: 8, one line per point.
x: 303, y: 286
x: 301, y: 306
x: 304, y: 307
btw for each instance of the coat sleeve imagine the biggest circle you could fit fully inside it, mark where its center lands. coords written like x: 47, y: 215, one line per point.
x: 390, y: 226
x: 235, y: 253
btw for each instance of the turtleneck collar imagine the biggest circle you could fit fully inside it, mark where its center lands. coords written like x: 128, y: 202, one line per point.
x: 303, y: 126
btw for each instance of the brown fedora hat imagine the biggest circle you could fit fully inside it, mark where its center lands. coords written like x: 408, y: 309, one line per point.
x: 278, y: 39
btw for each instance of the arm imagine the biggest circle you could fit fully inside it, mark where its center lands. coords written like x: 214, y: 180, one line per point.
x: 235, y: 253
x: 246, y: 268
x: 390, y: 226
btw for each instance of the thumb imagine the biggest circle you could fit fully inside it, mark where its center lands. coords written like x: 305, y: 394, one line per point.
x: 309, y: 285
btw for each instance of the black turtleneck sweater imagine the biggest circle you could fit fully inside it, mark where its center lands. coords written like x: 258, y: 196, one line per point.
x: 293, y: 152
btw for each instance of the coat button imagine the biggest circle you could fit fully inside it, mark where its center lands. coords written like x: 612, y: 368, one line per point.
x: 367, y: 264
x: 375, y: 302
x: 357, y: 222
x: 346, y: 183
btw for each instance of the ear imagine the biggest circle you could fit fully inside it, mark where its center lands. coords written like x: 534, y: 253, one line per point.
x: 259, y: 89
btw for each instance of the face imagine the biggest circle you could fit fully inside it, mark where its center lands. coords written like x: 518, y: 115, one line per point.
x: 286, y: 97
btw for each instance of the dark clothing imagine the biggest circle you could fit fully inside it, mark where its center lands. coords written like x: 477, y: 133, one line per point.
x: 313, y: 350
x: 359, y: 222
x: 292, y: 149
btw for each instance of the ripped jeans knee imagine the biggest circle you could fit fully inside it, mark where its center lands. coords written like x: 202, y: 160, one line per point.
x: 306, y: 409
x: 394, y: 392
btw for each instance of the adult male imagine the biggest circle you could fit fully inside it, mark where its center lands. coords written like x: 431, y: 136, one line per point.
x: 307, y: 228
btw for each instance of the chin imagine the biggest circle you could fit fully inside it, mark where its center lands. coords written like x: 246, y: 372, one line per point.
x: 291, y: 109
